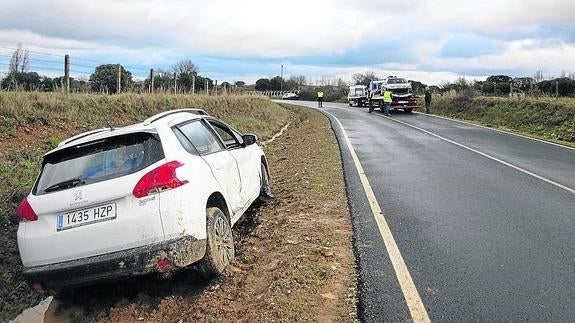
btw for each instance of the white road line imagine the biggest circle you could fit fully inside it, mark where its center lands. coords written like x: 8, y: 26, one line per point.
x: 498, y: 130
x: 412, y: 298
x: 568, y: 189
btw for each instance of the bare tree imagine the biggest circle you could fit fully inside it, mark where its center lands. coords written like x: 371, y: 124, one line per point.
x: 185, y: 66
x: 25, y: 61
x: 19, y: 60
x: 15, y: 59
x: 538, y: 76
x: 364, y: 78
x: 299, y: 80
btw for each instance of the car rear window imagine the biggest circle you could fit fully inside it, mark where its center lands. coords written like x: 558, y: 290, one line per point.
x: 98, y: 161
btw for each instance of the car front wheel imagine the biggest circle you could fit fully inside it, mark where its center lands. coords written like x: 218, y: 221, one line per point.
x: 220, y: 244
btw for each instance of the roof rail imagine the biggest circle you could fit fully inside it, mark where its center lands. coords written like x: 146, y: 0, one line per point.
x: 167, y: 113
x: 80, y: 136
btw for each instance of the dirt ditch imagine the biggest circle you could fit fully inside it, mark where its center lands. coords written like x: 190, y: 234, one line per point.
x: 294, y: 260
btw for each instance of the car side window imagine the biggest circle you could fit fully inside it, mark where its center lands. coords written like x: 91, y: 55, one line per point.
x: 184, y: 141
x: 226, y: 134
x: 201, y: 137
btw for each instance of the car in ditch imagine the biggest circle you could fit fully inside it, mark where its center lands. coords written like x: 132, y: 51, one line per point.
x: 151, y: 197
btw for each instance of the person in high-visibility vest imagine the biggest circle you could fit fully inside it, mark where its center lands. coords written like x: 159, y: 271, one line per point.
x: 387, y: 99
x: 320, y: 98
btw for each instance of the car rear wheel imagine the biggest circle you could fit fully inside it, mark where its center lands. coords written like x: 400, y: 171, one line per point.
x: 219, y: 246
x: 407, y: 110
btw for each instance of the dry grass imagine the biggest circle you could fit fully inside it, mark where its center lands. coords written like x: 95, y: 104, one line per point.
x: 247, y: 113
x: 33, y: 123
x: 545, y: 118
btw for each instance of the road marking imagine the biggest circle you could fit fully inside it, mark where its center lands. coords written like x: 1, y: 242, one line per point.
x: 568, y: 189
x: 498, y: 130
x: 410, y: 293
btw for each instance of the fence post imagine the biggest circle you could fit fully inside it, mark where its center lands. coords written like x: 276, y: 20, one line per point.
x: 216, y: 88
x: 66, y: 74
x: 207, y: 87
x: 119, y: 80
x: 193, y: 84
x: 556, y: 89
x: 175, y: 83
x: 151, y: 80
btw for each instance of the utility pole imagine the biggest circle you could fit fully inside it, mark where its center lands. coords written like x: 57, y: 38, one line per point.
x: 151, y: 80
x: 282, y: 79
x: 119, y: 80
x: 175, y: 83
x: 207, y: 87
x: 66, y: 74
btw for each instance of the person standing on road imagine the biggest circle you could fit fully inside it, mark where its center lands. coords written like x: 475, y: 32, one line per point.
x: 369, y: 100
x: 427, y: 101
x: 320, y: 99
x: 387, y: 99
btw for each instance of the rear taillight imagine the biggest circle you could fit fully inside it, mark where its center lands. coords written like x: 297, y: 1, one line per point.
x: 158, y: 180
x: 25, y: 211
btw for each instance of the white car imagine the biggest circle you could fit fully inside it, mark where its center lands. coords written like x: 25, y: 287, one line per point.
x: 151, y: 197
x: 290, y: 96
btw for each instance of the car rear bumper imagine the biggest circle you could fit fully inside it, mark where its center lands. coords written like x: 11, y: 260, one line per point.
x: 117, y: 265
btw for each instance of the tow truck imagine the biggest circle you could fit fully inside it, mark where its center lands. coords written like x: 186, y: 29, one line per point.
x: 402, y: 95
x: 357, y: 94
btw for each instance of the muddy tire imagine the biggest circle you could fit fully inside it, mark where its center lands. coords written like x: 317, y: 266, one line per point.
x: 220, y: 249
x: 266, y: 196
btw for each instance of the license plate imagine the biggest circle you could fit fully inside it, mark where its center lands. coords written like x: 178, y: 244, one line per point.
x: 86, y: 216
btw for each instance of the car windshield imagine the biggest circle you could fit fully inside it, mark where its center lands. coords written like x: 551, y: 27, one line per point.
x: 358, y: 91
x: 98, y: 161
x: 396, y: 81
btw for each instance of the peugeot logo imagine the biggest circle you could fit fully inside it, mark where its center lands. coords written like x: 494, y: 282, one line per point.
x: 77, y: 195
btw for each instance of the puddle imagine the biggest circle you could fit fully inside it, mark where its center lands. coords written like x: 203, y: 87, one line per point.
x: 34, y: 314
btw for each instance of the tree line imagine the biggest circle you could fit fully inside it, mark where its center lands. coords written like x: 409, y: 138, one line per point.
x: 184, y: 75
x: 185, y: 78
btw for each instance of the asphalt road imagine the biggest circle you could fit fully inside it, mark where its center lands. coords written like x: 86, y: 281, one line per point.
x: 484, y: 220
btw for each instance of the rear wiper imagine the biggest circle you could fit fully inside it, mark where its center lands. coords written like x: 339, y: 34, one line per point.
x: 65, y: 184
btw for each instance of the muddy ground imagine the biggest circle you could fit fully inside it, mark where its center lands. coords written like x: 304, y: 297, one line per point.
x: 294, y: 259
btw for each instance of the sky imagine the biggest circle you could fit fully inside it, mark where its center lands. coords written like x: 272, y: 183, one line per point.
x: 432, y: 41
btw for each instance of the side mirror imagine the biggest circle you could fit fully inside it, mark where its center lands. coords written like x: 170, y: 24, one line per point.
x: 249, y: 139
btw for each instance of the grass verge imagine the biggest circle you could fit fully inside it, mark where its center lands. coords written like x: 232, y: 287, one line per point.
x: 294, y: 260
x: 33, y: 123
x: 543, y: 118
